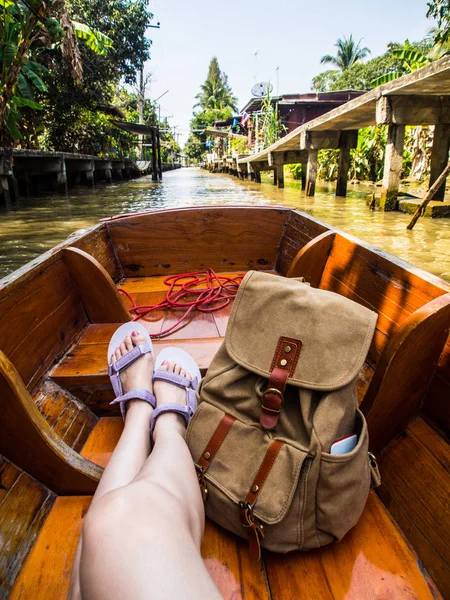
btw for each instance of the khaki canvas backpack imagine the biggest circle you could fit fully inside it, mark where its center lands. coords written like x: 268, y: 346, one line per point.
x: 280, y: 391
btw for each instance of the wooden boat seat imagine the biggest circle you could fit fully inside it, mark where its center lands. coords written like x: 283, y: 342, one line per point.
x: 372, y: 561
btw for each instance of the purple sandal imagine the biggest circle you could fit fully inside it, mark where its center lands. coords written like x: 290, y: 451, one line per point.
x: 125, y: 361
x: 186, y: 361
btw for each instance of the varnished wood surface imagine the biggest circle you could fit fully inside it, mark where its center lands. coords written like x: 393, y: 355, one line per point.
x: 416, y: 490
x: 311, y: 259
x: 97, y: 290
x: 405, y: 371
x: 70, y: 419
x: 46, y: 573
x: 102, y: 441
x: 24, y: 505
x: 223, y: 238
x: 28, y: 440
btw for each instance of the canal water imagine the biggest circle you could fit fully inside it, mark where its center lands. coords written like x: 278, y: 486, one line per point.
x: 34, y: 225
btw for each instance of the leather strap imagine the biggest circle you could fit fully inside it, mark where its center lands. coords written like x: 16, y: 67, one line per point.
x: 283, y: 366
x: 215, y: 442
x: 211, y: 450
x: 249, y: 521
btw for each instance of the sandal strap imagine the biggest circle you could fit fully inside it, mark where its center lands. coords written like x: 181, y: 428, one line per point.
x: 176, y: 379
x: 127, y: 359
x: 185, y: 410
x: 139, y: 394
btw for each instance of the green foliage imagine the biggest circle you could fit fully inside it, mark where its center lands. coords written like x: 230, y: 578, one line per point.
x: 296, y: 171
x: 195, y: 147
x: 411, y: 58
x: 216, y: 94
x: 363, y: 76
x: 348, y: 53
x: 270, y: 125
x: 440, y: 11
x: 26, y: 30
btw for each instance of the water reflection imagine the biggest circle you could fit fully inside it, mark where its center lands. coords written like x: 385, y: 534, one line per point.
x: 37, y: 224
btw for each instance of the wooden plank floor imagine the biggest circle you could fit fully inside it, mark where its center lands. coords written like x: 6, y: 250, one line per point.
x: 373, y: 560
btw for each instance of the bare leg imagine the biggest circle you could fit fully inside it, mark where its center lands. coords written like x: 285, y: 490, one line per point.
x: 133, y: 447
x: 143, y: 540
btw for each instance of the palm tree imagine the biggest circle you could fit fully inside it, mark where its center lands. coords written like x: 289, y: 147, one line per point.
x: 349, y: 52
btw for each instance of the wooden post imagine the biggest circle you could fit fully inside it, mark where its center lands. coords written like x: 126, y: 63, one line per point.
x: 346, y: 139
x: 279, y: 169
x: 257, y: 175
x: 154, y: 157
x: 311, y: 172
x: 304, y: 171
x: 392, y: 167
x: 275, y: 176
x: 158, y: 137
x: 431, y: 192
x: 439, y: 157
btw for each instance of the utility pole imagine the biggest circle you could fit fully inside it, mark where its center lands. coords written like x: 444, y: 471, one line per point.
x: 141, y: 97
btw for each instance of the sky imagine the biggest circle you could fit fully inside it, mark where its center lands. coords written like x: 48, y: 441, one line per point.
x: 292, y: 35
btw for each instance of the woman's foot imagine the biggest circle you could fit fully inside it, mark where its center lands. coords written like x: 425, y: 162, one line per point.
x: 137, y: 376
x: 167, y: 393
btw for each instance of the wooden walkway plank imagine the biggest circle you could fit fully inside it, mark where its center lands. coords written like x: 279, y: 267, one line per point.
x: 46, y: 573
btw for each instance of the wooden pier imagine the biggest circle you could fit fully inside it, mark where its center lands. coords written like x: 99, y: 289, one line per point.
x: 420, y: 98
x: 36, y: 171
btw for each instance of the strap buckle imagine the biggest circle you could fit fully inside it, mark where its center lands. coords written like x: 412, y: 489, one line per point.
x: 249, y: 520
x: 276, y: 392
x: 202, y: 482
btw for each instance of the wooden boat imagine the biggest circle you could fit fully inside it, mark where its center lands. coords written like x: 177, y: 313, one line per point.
x: 57, y: 429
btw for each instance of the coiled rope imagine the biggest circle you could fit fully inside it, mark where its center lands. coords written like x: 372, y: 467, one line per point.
x: 211, y: 293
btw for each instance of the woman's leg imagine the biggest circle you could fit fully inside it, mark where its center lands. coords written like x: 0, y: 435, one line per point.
x: 133, y: 447
x: 143, y: 540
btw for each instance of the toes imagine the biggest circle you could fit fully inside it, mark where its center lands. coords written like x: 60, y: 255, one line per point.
x: 177, y: 369
x: 113, y: 358
x: 123, y: 348
x: 171, y: 367
x: 164, y: 365
x: 182, y: 373
x: 128, y: 343
x: 137, y: 338
x: 118, y: 353
x: 189, y: 376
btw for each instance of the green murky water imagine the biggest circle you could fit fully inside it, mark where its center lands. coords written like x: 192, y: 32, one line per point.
x: 37, y: 224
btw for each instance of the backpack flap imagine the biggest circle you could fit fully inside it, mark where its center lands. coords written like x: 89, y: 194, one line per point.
x: 293, y: 334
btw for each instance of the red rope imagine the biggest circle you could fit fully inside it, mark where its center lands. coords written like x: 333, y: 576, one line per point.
x: 211, y: 292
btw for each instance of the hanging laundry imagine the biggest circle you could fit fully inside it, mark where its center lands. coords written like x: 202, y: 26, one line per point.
x: 245, y: 117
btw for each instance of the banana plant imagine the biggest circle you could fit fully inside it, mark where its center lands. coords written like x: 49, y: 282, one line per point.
x: 28, y: 27
x: 412, y: 60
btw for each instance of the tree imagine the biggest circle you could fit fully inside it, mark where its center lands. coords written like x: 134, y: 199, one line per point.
x: 440, y: 11
x: 216, y: 94
x: 411, y: 60
x: 74, y: 115
x: 27, y: 29
x: 349, y: 52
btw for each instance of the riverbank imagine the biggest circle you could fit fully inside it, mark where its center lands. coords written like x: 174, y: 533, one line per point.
x: 37, y: 224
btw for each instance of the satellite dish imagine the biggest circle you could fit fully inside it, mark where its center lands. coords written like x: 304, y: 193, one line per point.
x: 261, y: 89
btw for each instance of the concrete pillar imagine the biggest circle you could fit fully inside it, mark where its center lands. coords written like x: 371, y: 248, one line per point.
x: 280, y: 175
x: 275, y: 174
x: 4, y: 189
x: 108, y: 175
x: 439, y: 157
x: 311, y: 172
x: 257, y: 175
x: 90, y: 178
x: 342, y: 177
x: 61, y: 178
x: 393, y: 162
x: 154, y: 157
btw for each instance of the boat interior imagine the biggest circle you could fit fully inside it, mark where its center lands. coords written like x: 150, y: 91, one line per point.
x: 57, y: 430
